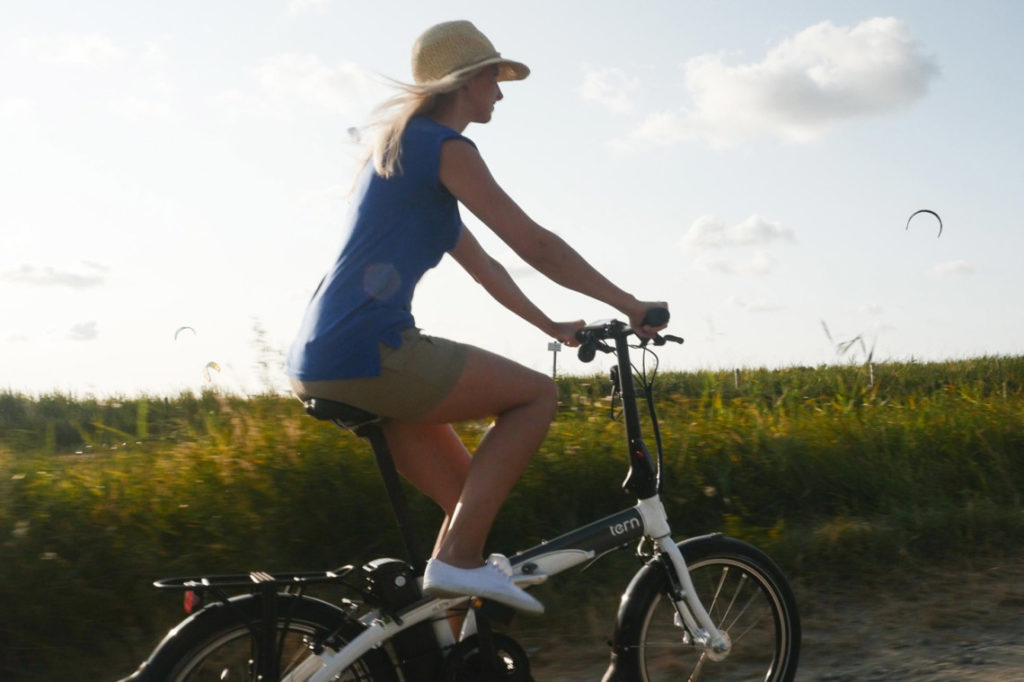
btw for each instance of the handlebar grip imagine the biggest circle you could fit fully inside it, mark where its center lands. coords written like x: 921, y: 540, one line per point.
x: 586, y: 352
x: 655, y: 317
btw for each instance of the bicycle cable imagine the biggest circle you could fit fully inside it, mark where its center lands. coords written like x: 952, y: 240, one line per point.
x: 647, y: 385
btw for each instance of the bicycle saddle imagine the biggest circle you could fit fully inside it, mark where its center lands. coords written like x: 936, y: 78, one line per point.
x: 341, y: 413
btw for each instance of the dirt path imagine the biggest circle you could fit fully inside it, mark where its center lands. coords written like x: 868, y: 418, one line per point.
x: 948, y: 625
x: 942, y: 626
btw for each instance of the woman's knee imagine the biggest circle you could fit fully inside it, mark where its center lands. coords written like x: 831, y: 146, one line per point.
x: 542, y: 393
x: 492, y: 385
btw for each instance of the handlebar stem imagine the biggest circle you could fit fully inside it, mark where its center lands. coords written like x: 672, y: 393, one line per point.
x: 642, y: 479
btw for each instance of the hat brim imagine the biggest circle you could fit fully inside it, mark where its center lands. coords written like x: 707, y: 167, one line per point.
x: 508, y: 70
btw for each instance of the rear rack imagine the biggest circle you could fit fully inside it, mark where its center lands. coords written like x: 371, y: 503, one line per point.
x: 255, y: 580
x: 265, y: 585
x: 222, y: 588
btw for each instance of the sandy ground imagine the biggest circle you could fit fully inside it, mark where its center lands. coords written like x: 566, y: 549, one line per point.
x: 941, y: 625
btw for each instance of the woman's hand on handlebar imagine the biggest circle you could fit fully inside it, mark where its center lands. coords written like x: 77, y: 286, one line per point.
x: 638, y: 312
x: 565, y: 332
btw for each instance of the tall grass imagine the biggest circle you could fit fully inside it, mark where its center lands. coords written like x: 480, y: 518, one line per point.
x: 833, y: 470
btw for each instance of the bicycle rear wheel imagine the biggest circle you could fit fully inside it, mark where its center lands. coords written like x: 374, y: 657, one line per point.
x: 746, y: 596
x: 222, y: 643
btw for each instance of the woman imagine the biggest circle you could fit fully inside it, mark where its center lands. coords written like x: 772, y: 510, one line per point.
x: 358, y: 343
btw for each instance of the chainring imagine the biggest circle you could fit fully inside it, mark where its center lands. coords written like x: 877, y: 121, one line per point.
x: 464, y: 662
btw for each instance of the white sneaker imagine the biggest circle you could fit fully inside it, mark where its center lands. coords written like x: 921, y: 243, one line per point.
x: 488, y: 582
x: 502, y: 562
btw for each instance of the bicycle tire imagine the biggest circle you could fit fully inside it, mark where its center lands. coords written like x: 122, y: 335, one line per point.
x: 218, y: 643
x: 747, y: 597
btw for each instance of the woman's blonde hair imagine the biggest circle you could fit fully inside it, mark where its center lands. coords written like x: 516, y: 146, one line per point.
x: 394, y: 115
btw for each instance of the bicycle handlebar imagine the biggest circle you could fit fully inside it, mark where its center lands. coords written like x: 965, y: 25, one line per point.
x: 593, y: 336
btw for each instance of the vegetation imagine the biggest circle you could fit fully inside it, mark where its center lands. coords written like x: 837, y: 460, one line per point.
x: 835, y: 471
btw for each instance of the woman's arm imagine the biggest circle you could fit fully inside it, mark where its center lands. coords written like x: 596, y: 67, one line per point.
x: 467, y: 177
x: 494, y: 278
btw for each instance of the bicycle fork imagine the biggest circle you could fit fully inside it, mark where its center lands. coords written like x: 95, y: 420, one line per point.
x: 688, y: 605
x: 647, y: 519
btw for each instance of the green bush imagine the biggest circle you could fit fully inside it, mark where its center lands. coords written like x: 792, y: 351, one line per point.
x: 832, y: 470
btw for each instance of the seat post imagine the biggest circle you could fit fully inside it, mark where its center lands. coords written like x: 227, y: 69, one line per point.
x: 399, y: 504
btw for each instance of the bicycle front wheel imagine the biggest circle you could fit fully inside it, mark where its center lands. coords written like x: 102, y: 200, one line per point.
x: 224, y: 642
x: 747, y: 598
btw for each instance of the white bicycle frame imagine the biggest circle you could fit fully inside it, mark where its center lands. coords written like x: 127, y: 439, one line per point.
x: 646, y: 519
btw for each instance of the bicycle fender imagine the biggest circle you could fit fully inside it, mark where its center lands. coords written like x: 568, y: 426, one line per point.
x: 174, y: 644
x: 652, y: 571
x: 170, y: 643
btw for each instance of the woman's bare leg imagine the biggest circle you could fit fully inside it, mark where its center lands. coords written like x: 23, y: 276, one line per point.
x: 432, y: 458
x: 471, y: 490
x: 524, y: 403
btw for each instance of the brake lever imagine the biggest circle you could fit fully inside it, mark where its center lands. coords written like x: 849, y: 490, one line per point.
x: 659, y: 340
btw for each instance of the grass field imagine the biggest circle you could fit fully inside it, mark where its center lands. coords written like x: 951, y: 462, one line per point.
x: 836, y: 471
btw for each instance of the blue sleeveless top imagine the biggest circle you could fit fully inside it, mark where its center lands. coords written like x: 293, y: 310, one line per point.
x: 398, y: 228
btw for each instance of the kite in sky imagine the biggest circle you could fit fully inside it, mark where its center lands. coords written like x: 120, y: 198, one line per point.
x: 925, y: 210
x: 206, y: 370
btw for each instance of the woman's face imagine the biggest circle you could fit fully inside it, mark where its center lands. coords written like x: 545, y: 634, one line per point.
x: 483, y: 91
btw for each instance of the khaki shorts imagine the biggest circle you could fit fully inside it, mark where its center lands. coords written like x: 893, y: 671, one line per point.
x: 414, y: 379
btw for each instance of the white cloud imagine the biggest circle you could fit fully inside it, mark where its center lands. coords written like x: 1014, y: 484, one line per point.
x: 712, y: 265
x: 756, y: 305
x: 96, y: 267
x: 85, y: 50
x: 611, y: 88
x: 805, y: 85
x: 662, y: 128
x: 712, y: 232
x: 290, y: 83
x: 705, y: 232
x: 756, y: 231
x: 84, y: 331
x: 93, y: 275
x: 952, y: 268
x: 345, y: 89
x: 760, y: 263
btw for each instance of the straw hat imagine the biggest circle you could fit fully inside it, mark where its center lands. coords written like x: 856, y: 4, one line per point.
x: 452, y: 49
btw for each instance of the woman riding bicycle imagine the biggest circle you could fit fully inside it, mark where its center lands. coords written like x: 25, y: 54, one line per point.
x: 358, y: 343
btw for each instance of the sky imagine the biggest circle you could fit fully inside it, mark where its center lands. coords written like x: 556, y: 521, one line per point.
x: 173, y: 178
